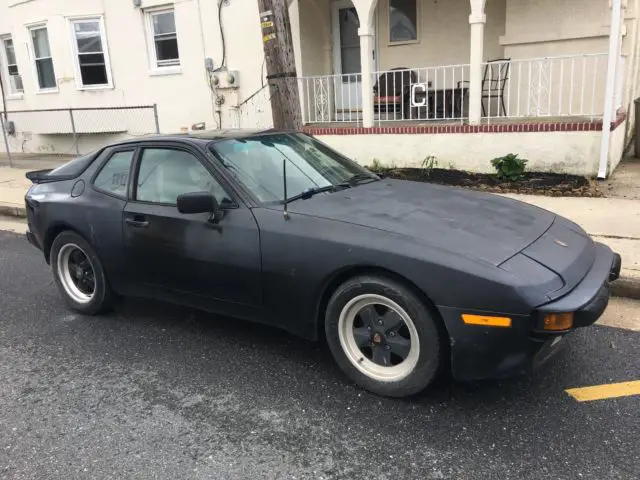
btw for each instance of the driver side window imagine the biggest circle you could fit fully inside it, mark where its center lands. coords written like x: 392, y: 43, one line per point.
x: 166, y: 173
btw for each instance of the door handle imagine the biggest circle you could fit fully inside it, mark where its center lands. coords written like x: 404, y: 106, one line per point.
x: 137, y: 222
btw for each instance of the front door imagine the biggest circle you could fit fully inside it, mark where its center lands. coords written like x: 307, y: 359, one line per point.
x: 186, y: 254
x: 346, y: 60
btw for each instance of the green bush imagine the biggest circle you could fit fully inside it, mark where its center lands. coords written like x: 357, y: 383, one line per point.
x: 509, y: 167
x: 376, y: 166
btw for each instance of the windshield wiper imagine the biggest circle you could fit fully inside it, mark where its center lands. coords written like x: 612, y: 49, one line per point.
x: 310, y: 192
x: 358, y: 178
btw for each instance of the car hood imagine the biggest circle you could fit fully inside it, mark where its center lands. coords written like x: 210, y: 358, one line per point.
x: 475, y: 224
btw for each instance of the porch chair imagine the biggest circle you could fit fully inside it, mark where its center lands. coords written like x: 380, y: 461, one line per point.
x: 494, y: 81
x: 392, y: 91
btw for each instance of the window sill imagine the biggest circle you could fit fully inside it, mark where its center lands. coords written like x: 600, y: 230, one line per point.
x: 402, y: 42
x: 94, y: 87
x: 15, y: 96
x: 158, y: 72
x: 47, y: 91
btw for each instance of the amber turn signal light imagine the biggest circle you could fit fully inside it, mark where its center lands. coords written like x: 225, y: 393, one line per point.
x: 486, y: 320
x: 558, y: 321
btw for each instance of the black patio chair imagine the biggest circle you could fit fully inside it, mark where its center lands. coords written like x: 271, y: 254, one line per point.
x: 392, y: 91
x: 496, y: 76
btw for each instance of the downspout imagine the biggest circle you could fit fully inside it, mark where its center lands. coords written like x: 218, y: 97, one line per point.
x: 609, y: 93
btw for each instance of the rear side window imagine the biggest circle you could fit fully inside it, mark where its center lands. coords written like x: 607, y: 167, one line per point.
x: 114, y: 175
x: 73, y: 168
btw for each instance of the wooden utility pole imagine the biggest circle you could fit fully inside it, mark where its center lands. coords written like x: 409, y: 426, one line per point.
x: 281, y: 64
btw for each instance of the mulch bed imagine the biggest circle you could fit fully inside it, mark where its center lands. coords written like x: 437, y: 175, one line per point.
x: 535, y: 183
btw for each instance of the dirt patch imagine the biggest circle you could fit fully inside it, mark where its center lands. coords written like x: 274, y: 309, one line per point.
x: 535, y: 183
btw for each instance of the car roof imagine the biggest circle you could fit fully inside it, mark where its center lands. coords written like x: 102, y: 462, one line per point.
x: 204, y: 136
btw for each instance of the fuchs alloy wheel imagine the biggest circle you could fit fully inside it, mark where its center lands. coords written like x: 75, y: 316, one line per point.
x: 382, y: 336
x: 79, y: 275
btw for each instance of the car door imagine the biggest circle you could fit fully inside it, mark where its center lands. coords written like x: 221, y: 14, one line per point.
x: 187, y: 253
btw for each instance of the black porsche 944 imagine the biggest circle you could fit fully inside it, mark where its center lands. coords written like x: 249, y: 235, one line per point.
x: 403, y: 279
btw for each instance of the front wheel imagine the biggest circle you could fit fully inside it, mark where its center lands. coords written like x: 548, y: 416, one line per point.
x: 382, y: 336
x: 79, y: 275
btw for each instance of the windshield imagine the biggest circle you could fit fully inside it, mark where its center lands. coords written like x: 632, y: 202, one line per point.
x: 257, y: 163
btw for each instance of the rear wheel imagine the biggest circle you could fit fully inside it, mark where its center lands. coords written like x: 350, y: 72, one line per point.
x: 382, y: 336
x: 79, y: 275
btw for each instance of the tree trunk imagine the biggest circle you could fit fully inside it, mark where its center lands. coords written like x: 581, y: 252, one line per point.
x: 281, y: 64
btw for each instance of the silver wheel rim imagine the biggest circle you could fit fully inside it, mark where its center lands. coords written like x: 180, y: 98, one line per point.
x: 76, y: 273
x: 379, y: 338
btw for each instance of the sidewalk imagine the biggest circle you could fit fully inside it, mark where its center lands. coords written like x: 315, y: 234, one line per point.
x: 613, y: 221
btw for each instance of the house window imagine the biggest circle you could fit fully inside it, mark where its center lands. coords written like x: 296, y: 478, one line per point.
x: 403, y: 21
x: 90, y: 49
x: 42, y: 58
x: 14, y: 80
x: 163, y: 39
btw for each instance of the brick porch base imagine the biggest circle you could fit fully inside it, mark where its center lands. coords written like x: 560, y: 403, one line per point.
x: 502, y: 127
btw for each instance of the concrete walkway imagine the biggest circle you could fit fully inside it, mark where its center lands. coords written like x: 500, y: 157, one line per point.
x: 613, y: 221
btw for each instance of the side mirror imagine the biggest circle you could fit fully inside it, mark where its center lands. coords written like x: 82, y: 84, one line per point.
x: 198, y: 202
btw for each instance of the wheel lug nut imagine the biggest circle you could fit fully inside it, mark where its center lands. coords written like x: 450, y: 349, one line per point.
x: 380, y: 321
x: 368, y: 327
x: 387, y: 347
x: 392, y: 334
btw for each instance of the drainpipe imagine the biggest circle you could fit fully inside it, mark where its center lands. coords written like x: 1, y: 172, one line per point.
x: 613, y: 60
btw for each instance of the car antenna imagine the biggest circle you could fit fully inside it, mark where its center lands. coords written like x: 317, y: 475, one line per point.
x: 284, y: 182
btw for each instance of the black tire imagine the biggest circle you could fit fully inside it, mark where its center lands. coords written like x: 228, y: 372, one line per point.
x: 102, y: 299
x: 429, y: 359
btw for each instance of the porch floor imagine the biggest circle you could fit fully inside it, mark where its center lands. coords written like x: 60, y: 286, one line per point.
x: 464, y: 121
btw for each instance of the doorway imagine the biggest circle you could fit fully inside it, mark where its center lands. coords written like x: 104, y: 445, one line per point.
x: 347, y: 69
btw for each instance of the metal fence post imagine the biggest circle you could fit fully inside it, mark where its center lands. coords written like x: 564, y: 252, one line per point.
x: 155, y: 116
x: 73, y: 129
x: 6, y: 142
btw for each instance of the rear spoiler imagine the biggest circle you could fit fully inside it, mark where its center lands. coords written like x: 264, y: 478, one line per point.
x: 42, y: 176
x: 38, y: 176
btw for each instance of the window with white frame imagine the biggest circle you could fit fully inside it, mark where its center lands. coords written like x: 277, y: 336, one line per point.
x: 163, y: 39
x: 11, y: 73
x: 403, y: 21
x: 42, y: 57
x: 90, y: 50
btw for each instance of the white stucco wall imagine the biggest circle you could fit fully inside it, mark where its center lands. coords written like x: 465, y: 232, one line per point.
x: 443, y: 34
x: 183, y: 98
x: 565, y: 152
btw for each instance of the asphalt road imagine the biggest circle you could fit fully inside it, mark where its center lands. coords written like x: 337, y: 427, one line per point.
x: 155, y: 391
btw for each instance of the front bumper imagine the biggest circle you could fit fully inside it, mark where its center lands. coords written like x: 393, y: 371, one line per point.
x: 32, y: 239
x: 480, y: 352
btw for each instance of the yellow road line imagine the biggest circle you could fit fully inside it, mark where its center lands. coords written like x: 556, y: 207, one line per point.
x: 601, y: 392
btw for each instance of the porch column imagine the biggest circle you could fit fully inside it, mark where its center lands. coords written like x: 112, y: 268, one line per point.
x: 366, y: 34
x: 477, y: 19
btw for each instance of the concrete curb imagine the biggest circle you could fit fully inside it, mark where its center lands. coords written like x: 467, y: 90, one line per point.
x: 12, y: 210
x: 627, y: 286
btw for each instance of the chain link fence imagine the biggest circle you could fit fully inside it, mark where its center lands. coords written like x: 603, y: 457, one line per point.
x: 58, y: 133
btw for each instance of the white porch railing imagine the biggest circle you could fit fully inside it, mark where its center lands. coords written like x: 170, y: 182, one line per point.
x: 567, y: 86
x: 331, y: 98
